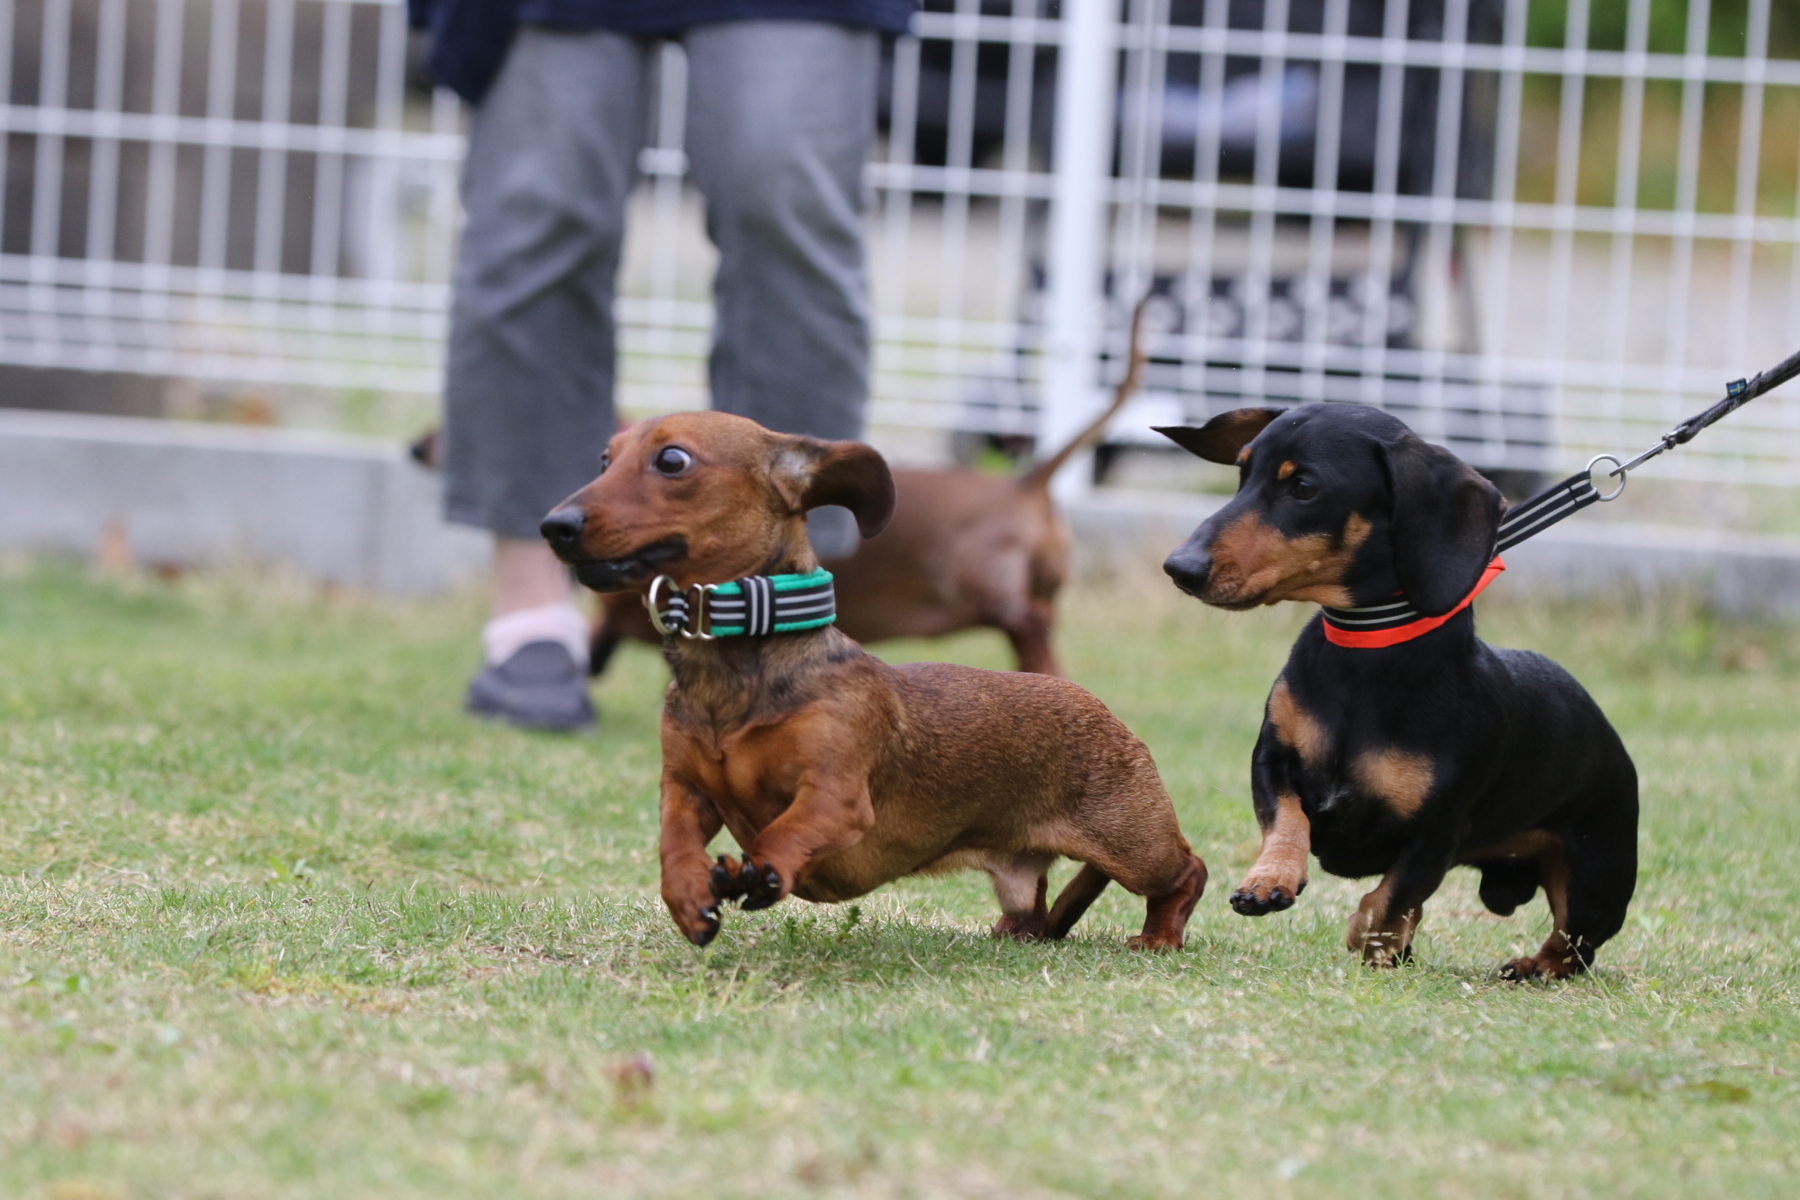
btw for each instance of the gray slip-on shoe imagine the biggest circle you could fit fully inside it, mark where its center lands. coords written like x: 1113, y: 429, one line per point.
x: 539, y: 687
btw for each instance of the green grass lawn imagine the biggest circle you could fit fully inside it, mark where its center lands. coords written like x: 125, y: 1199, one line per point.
x: 276, y: 920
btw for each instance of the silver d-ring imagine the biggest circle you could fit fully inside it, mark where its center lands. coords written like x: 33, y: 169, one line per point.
x: 1618, y: 470
x: 653, y: 602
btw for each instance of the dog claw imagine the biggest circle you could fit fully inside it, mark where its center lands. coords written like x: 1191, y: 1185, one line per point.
x: 1247, y: 903
x: 711, y: 930
x: 763, y: 890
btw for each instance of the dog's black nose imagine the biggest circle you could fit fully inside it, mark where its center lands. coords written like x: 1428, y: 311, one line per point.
x: 1189, y: 569
x: 562, y: 528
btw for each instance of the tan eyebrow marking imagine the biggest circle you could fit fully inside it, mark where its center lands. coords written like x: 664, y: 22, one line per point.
x: 1287, y: 468
x: 1243, y: 456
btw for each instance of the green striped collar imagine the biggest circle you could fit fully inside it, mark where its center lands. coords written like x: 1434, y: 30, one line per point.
x: 754, y: 606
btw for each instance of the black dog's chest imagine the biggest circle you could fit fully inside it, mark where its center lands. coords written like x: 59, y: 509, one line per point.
x: 1355, y: 831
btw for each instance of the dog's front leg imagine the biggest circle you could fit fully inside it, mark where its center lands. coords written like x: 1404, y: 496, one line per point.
x: 1382, y: 927
x: 831, y: 811
x: 1278, y: 876
x: 689, y: 822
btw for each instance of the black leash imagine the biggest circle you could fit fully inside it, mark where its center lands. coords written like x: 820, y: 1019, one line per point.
x: 1577, y: 492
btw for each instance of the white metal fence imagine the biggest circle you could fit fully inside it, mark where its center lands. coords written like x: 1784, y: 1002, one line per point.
x: 235, y: 190
x: 1535, y: 228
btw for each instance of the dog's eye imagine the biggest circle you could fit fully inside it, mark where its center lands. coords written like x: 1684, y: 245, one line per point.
x: 605, y: 461
x: 672, y: 460
x: 1304, y: 488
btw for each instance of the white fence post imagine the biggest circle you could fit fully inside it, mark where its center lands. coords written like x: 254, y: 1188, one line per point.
x: 1082, y: 152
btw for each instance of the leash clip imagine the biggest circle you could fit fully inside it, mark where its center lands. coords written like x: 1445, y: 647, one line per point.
x: 1619, y: 471
x: 689, y: 613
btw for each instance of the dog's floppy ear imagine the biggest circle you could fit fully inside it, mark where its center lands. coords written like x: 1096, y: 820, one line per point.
x: 1220, y: 439
x: 811, y: 473
x: 1445, y: 520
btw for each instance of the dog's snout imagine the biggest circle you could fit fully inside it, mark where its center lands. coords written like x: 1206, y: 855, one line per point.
x: 562, y: 528
x: 1189, y: 568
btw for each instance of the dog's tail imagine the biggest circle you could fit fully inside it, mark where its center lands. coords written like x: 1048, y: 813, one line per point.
x: 1040, y: 475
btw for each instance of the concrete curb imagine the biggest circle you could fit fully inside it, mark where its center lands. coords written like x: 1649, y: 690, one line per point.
x: 343, y: 510
x: 359, y: 513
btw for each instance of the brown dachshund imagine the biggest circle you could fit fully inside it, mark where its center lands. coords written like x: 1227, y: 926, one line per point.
x: 835, y: 772
x: 964, y: 551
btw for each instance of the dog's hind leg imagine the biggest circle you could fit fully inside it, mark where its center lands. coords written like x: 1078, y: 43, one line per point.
x: 1073, y: 901
x: 1589, y: 874
x: 1169, y: 876
x: 1166, y: 915
x: 1021, y: 885
x: 1154, y: 863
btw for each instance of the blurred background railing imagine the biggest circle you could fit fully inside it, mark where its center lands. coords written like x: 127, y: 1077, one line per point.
x: 1536, y: 229
x: 242, y: 196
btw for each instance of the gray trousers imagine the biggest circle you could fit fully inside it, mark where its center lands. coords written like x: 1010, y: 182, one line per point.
x: 780, y: 117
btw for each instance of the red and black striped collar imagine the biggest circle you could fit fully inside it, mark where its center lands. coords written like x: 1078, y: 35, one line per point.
x: 1382, y: 625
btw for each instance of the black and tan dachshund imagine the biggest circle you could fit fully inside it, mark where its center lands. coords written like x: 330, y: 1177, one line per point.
x: 1395, y: 743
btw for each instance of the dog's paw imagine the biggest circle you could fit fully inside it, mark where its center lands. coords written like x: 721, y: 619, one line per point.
x: 1380, y: 954
x: 1031, y: 927
x: 751, y: 886
x: 1547, y: 967
x: 1256, y: 897
x: 1155, y: 944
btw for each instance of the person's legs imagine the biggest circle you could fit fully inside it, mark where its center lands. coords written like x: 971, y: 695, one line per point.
x: 529, y: 392
x: 780, y: 118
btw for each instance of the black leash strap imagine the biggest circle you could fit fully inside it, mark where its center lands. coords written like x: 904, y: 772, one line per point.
x: 1577, y: 492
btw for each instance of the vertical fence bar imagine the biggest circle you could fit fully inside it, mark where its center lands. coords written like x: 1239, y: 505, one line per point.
x: 1271, y: 81
x: 1203, y: 230
x: 1749, y: 164
x: 1133, y: 255
x: 328, y: 170
x: 1625, y: 201
x: 1434, y: 290
x: 159, y: 199
x: 47, y: 181
x: 1687, y: 195
x: 1085, y: 70
x: 1507, y: 131
x: 1015, y: 156
x: 103, y: 187
x: 1378, y: 278
x: 903, y: 128
x: 271, y: 180
x: 383, y: 216
x: 6, y: 81
x: 1322, y: 222
x: 221, y: 106
x: 1568, y: 177
x: 953, y: 230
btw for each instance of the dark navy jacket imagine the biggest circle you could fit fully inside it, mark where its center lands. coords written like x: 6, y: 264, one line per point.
x: 469, y: 38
